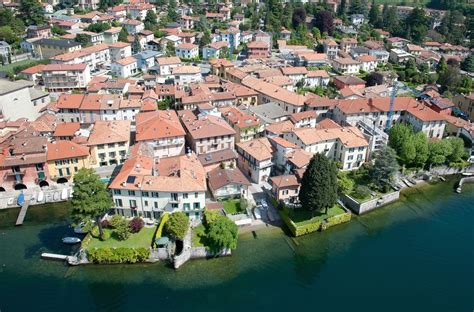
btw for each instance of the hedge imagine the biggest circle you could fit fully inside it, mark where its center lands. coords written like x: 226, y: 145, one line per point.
x: 311, y: 225
x: 118, y: 255
x: 163, y: 220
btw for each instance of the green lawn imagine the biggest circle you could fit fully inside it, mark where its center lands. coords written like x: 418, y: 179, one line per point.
x: 140, y: 239
x: 198, y: 236
x: 9, y: 68
x: 302, y: 215
x: 232, y: 206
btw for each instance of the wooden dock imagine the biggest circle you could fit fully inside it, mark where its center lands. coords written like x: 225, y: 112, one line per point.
x: 22, y: 214
x: 71, y: 260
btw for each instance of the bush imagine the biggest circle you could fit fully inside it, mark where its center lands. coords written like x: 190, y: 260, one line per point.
x: 116, y: 219
x: 136, y: 224
x: 118, y: 255
x: 177, y: 225
x: 105, y: 236
x: 361, y: 192
x: 210, y: 216
x: 122, y: 231
x: 163, y: 220
x: 95, y: 232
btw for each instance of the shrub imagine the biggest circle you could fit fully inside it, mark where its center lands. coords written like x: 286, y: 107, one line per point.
x: 105, y: 236
x: 136, y: 224
x: 122, y: 231
x: 210, y: 216
x: 177, y: 225
x: 116, y: 219
x: 163, y: 220
x: 95, y: 232
x: 118, y: 255
x: 361, y: 192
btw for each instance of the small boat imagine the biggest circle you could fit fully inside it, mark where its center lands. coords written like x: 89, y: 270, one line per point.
x: 64, y: 194
x: 458, y: 190
x: 21, y: 199
x: 71, y: 240
x: 40, y: 197
x: 10, y: 201
x: 442, y: 178
x: 467, y: 174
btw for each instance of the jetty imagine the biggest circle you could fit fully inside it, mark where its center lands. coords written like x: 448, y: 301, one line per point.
x: 22, y: 214
x: 467, y: 179
x: 72, y: 260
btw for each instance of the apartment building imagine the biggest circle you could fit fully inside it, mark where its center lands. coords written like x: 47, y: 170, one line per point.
x: 258, y: 50
x: 109, y: 142
x: 148, y: 186
x: 187, y: 74
x: 65, y: 158
x: 330, y: 48
x: 346, y: 66
x: 206, y: 133
x: 344, y: 144
x: 187, y: 51
x: 66, y: 77
x: 247, y: 126
x: 167, y: 64
x: 213, y: 50
x: 255, y: 159
x: 96, y: 57
x: 347, y: 44
x: 46, y: 48
x: 163, y: 131
x: 125, y: 67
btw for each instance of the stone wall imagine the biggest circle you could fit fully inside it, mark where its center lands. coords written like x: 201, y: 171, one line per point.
x: 361, y: 208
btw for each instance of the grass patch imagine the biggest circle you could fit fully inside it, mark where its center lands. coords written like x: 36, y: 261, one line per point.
x: 301, y: 215
x: 232, y: 206
x: 199, y: 236
x: 140, y: 239
x: 19, y: 66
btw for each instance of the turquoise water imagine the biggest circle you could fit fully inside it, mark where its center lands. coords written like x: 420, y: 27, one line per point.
x: 415, y: 255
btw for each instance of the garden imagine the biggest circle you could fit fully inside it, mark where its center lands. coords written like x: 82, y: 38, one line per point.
x: 217, y: 232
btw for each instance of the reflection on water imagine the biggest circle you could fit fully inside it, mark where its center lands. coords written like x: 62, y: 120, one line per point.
x: 416, y: 253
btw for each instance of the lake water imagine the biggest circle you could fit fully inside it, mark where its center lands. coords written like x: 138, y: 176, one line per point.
x: 414, y: 255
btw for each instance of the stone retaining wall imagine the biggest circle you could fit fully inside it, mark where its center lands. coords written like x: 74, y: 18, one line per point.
x: 361, y: 208
x: 51, y: 195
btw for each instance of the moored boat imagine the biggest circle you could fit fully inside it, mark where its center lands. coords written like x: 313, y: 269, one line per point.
x: 71, y: 240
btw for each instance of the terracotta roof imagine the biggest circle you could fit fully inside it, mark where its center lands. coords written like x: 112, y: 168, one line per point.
x: 33, y: 69
x: 318, y: 73
x: 367, y: 58
x: 261, y: 149
x: 221, y: 177
x: 282, y: 142
x: 158, y: 124
x: 187, y: 46
x: 217, y: 157
x: 257, y: 45
x: 81, y: 53
x: 65, y: 67
x: 119, y: 45
x: 284, y: 181
x: 65, y: 150
x: 280, y: 127
x: 327, y: 123
x: 126, y: 61
x: 70, y: 101
x: 186, y: 69
x: 66, y: 129
x: 105, y: 132
x: 303, y: 115
x: 298, y: 157
x: 301, y: 70
x: 346, y: 61
x: 168, y: 60
x: 204, y: 126
x: 349, y: 136
x: 217, y: 45
x: 238, y: 118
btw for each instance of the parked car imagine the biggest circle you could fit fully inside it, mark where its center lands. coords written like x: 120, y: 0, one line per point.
x: 257, y: 213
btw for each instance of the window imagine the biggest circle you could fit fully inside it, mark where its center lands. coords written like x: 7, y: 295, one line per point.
x: 174, y: 196
x: 145, y: 194
x: 196, y: 195
x: 155, y: 194
x: 156, y: 205
x: 351, y: 150
x: 117, y: 192
x: 186, y: 207
x: 350, y: 157
x: 39, y: 167
x: 145, y: 203
x: 118, y: 203
x: 131, y: 193
x: 174, y: 206
x: 111, y: 145
x: 101, y: 146
x: 196, y: 205
x: 133, y: 203
x: 361, y: 148
x: 185, y: 195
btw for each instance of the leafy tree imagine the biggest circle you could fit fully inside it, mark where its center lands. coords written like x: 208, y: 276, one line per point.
x: 122, y: 229
x: 222, y: 233
x: 7, y: 18
x: 316, y: 33
x: 358, y: 7
x: 7, y: 34
x: 136, y: 46
x: 90, y: 199
x: 442, y: 66
x: 391, y: 22
x: 398, y: 134
x: 324, y: 22
x: 374, y: 79
x: 439, y: 151
x: 31, y: 12
x: 342, y: 8
x: 123, y: 35
x: 136, y: 224
x: 55, y: 29
x: 384, y: 168
x: 177, y: 225
x: 98, y: 27
x: 421, y: 147
x: 417, y: 25
x: 170, y: 49
x: 83, y: 39
x: 468, y: 64
x: 151, y: 18
x: 206, y: 38
x: 345, y: 184
x: 319, y: 184
x: 375, y: 19
x: 453, y: 27
x: 450, y: 79
x: 299, y: 17
x: 172, y: 15
x: 457, y: 149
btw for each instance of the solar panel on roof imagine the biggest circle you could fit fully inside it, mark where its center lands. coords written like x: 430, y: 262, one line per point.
x: 131, y: 179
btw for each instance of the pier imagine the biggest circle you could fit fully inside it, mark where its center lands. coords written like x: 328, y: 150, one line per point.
x: 22, y: 214
x: 72, y: 260
x: 462, y: 181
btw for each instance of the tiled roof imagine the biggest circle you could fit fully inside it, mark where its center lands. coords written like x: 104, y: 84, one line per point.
x: 204, y: 126
x: 158, y: 124
x: 221, y: 177
x: 261, y: 149
x: 65, y: 150
x: 105, y: 132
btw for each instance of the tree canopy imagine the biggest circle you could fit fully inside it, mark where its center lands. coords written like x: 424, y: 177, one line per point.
x: 222, y: 233
x: 384, y: 168
x: 177, y: 225
x: 319, y: 184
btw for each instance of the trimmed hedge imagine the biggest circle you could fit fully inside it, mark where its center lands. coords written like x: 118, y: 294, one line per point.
x: 163, y: 220
x: 311, y: 225
x: 118, y: 255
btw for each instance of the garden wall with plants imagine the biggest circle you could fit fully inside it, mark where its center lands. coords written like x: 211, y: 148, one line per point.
x: 108, y: 255
x: 369, y: 205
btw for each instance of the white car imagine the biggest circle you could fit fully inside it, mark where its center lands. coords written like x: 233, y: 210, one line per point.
x: 257, y: 213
